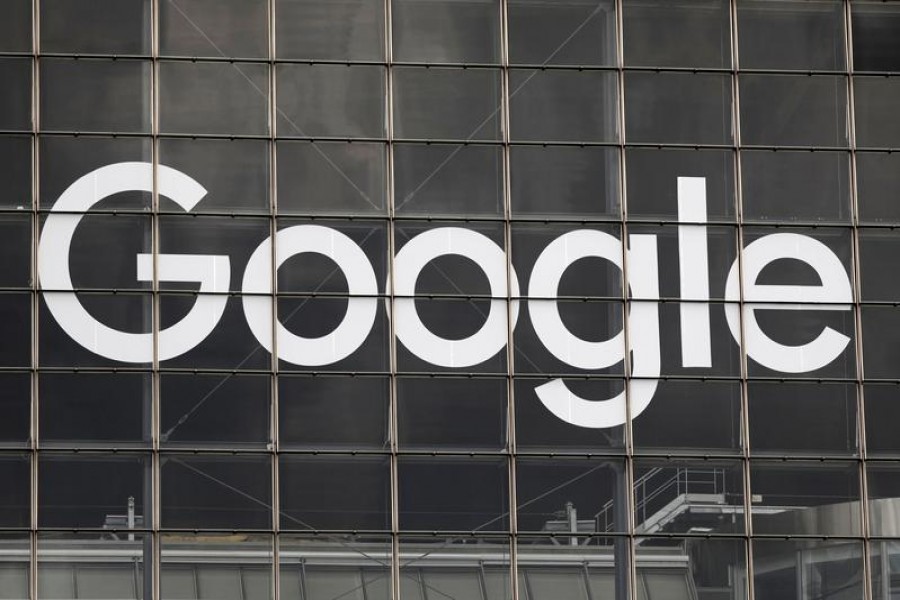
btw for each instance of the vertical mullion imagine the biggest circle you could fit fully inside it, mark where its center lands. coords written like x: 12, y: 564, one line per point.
x: 626, y: 481
x: 739, y: 216
x: 392, y: 338
x: 274, y: 439
x: 34, y: 432
x: 857, y: 309
x: 154, y: 511
x: 512, y: 538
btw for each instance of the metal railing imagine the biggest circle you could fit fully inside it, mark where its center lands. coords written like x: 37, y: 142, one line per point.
x: 658, y: 487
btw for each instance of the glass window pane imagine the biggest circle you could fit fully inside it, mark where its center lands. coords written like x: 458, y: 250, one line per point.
x: 330, y: 583
x: 538, y: 430
x: 883, y: 487
x: 335, y: 412
x: 881, y: 346
x: 236, y: 239
x: 792, y: 34
x: 214, y: 410
x: 211, y: 566
x: 432, y: 497
x: 876, y: 36
x: 15, y: 313
x: 235, y: 173
x: 331, y: 177
x: 680, y: 33
x: 14, y: 580
x: 460, y: 104
x: 661, y: 486
x: 563, y: 181
x: 878, y: 250
x: 330, y: 100
x: 15, y: 172
x: 875, y: 102
x: 828, y: 412
x: 345, y: 30
x: 15, y: 496
x: 562, y: 32
x: 795, y: 186
x: 826, y: 568
x: 446, y: 31
x: 592, y: 277
x: 334, y: 492
x: 230, y: 346
x: 216, y: 492
x: 551, y: 492
x: 95, y: 95
x: 103, y: 250
x: 878, y: 185
x: 316, y: 272
x: 98, y: 408
x: 564, y: 584
x: 793, y: 110
x: 15, y: 247
x: 882, y: 402
x: 129, y: 312
x: 96, y: 27
x: 65, y: 159
x: 316, y: 317
x: 448, y: 179
x: 105, y: 581
x: 451, y: 413
x: 15, y: 94
x: 90, y: 491
x: 15, y: 26
x: 233, y: 28
x: 681, y: 108
x: 213, y: 98
x: 656, y: 196
x: 689, y: 417
x: 588, y: 319
x: 815, y: 498
x: 563, y: 106
x: 362, y: 571
x: 15, y: 405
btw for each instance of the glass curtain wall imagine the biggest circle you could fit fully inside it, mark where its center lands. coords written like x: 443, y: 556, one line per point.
x: 550, y: 226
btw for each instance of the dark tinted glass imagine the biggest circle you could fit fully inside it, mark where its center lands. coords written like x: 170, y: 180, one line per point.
x: 96, y: 27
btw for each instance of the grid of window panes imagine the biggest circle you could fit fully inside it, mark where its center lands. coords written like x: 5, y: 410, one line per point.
x: 231, y: 471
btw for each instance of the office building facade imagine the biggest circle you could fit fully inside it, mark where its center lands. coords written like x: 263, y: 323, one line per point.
x: 449, y: 299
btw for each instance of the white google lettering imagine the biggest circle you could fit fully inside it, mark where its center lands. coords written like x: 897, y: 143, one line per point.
x: 639, y: 261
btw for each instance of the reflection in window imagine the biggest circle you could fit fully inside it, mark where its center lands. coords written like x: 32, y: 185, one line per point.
x: 814, y: 498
